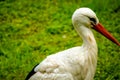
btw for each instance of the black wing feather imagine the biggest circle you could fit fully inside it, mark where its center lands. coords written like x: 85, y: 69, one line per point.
x: 31, y: 73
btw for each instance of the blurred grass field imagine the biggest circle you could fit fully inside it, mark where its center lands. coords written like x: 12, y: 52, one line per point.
x: 30, y: 30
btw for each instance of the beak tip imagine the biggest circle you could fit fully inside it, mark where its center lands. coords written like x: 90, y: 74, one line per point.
x: 119, y: 44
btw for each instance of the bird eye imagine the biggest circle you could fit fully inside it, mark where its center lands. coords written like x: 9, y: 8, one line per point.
x: 93, y: 20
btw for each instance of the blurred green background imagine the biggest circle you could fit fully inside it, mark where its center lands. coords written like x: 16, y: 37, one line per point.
x: 30, y: 30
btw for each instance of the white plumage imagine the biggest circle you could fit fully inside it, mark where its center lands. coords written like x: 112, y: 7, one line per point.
x: 77, y: 63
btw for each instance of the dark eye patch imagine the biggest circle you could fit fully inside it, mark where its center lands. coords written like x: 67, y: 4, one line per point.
x: 93, y: 20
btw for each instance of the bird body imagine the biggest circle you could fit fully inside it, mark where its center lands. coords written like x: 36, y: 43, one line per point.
x: 77, y: 63
x: 63, y: 65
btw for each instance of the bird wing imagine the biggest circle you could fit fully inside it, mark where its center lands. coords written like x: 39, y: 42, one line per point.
x: 58, y: 66
x: 51, y: 69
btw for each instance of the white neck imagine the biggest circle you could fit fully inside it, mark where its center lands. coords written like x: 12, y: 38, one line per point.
x: 87, y: 36
x: 90, y: 49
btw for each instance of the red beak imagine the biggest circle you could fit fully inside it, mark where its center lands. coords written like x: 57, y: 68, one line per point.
x: 104, y: 32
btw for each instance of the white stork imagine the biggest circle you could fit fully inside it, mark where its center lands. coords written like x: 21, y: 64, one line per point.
x: 77, y: 63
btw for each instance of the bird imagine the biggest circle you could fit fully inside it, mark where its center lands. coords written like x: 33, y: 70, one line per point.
x: 76, y: 63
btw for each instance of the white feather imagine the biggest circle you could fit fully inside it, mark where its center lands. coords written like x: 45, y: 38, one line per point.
x: 71, y: 64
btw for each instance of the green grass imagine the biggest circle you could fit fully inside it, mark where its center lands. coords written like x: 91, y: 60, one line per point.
x: 31, y: 30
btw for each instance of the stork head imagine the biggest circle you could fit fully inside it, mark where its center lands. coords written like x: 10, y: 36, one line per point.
x: 86, y: 17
